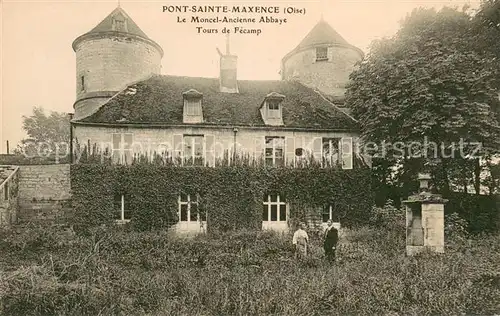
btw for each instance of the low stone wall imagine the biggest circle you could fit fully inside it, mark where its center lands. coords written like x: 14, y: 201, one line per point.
x: 44, y: 193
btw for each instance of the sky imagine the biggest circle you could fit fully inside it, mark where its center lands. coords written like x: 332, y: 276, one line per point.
x: 38, y: 63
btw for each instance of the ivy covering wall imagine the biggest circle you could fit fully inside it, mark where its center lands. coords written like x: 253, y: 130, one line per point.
x: 232, y: 196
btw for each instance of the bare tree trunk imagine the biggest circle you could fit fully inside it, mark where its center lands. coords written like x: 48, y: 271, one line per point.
x: 465, y: 176
x: 446, y: 180
x: 477, y: 176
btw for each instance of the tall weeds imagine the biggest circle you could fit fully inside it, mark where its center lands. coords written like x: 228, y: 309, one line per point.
x: 112, y: 272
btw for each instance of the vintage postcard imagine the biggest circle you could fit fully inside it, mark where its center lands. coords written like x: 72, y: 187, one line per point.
x: 324, y: 157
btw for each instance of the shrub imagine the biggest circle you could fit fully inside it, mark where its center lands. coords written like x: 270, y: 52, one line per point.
x: 388, y: 217
x: 455, y: 229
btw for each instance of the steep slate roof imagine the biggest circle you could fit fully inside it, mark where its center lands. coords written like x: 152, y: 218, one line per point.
x: 158, y: 100
x: 106, y: 25
x: 322, y: 33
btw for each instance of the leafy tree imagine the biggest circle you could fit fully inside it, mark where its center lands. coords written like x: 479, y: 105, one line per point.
x: 46, y: 133
x: 492, y: 178
x: 428, y: 85
x: 486, y: 26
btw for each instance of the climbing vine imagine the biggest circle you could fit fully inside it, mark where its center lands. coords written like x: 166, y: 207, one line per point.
x: 232, y: 195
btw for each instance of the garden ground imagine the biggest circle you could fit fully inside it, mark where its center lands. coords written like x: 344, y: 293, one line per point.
x: 49, y: 271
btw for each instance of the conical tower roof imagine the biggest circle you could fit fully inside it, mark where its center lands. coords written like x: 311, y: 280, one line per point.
x: 106, y: 25
x: 118, y: 22
x: 322, y: 33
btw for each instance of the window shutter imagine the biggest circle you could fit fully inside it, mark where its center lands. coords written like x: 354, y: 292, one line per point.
x: 218, y: 150
x: 117, y: 139
x: 127, y: 147
x: 210, y: 150
x: 317, y: 148
x: 347, y: 152
x: 177, y: 142
x: 259, y: 147
x: 300, y: 143
x: 290, y: 151
x: 127, y: 139
x: 329, y: 53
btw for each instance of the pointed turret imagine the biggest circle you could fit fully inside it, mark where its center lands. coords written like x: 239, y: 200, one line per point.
x: 110, y: 56
x: 322, y: 34
x: 119, y: 21
x: 323, y: 60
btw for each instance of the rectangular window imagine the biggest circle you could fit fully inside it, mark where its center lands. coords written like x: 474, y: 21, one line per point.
x: 274, y: 208
x: 193, y: 107
x: 321, y: 53
x: 275, y: 149
x: 82, y: 83
x: 330, y: 151
x: 329, y: 213
x: 193, y: 150
x: 273, y: 109
x: 122, y: 208
x: 122, y: 148
x: 190, y: 209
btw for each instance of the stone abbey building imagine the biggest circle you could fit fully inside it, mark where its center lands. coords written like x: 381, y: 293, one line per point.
x: 126, y: 106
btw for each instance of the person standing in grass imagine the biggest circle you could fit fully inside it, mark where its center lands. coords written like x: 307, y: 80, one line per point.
x: 330, y: 241
x: 300, y: 241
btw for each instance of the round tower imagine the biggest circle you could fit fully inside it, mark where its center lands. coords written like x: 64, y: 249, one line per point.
x: 112, y: 55
x: 323, y: 60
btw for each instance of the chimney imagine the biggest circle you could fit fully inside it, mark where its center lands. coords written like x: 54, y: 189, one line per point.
x: 228, y: 70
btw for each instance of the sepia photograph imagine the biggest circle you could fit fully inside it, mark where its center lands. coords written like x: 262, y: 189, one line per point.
x: 322, y: 157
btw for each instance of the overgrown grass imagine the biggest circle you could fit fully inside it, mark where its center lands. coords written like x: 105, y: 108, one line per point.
x: 52, y: 272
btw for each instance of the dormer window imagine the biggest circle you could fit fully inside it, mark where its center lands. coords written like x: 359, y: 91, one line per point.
x: 119, y: 24
x: 272, y: 109
x: 192, y: 106
x: 321, y: 53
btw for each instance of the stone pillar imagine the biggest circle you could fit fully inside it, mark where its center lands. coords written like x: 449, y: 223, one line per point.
x: 433, y: 220
x: 424, y: 220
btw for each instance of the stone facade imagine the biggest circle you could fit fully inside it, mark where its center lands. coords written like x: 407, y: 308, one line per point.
x: 329, y: 76
x: 250, y: 141
x: 109, y: 63
x: 148, y: 140
x: 44, y: 193
x: 90, y: 103
x: 9, y: 195
x: 106, y: 64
